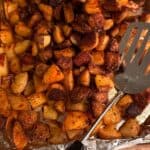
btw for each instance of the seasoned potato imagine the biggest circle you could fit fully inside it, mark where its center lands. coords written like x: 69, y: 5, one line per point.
x: 15, y: 66
x: 29, y: 89
x: 122, y: 2
x: 85, y: 78
x: 19, y: 83
x: 97, y: 58
x: 14, y: 17
x: 130, y: 128
x: 75, y: 120
x: 53, y: 74
x: 74, y: 134
x: 49, y: 113
x: 3, y: 65
x: 19, y: 102
x: 6, y: 36
x: 19, y: 138
x: 108, y: 24
x: 47, y: 11
x: 5, y: 106
x: 113, y: 116
x: 22, y: 30
x: 109, y: 132
x: 60, y: 106
x: 101, y: 80
x: 66, y: 30
x: 37, y: 99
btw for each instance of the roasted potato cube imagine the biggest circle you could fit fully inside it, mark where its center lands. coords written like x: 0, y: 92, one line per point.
x: 68, y: 12
x: 109, y: 132
x: 60, y: 106
x: 47, y: 11
x: 27, y: 119
x: 85, y: 78
x: 74, y: 134
x: 101, y: 80
x: 103, y: 42
x: 34, y: 49
x: 19, y: 138
x: 58, y: 35
x: 113, y: 116
x: 37, y: 99
x: 5, y: 106
x: 75, y: 120
x: 130, y: 128
x: 3, y: 65
x: 67, y: 52
x: 19, y: 102
x: 121, y: 3
x: 6, y: 36
x: 52, y: 75
x: 50, y: 113
x: 97, y: 58
x: 20, y: 82
x: 108, y: 24
x: 66, y: 30
x: 22, y: 30
x: 29, y: 89
x: 15, y: 66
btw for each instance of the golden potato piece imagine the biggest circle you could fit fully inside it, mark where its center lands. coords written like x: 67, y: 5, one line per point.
x: 75, y: 120
x: 52, y: 75
x: 60, y: 106
x: 37, y: 99
x: 19, y: 83
x: 108, y: 24
x: 113, y: 116
x: 19, y: 102
x: 109, y: 132
x: 15, y: 65
x: 66, y: 30
x: 74, y: 134
x: 130, y: 128
x: 19, y: 138
x: 122, y: 2
x: 3, y: 65
x: 85, y: 78
x: 5, y: 106
x: 97, y: 58
x: 22, y: 30
x: 14, y: 17
x: 49, y: 113
x: 101, y: 80
x: 6, y: 36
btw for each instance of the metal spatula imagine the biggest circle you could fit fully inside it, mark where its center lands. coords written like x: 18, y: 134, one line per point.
x: 133, y: 80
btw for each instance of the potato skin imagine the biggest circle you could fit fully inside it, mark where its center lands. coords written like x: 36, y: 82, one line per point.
x: 131, y: 128
x: 75, y: 120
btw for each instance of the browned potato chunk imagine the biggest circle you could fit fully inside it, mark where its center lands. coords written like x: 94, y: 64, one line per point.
x: 15, y: 65
x: 22, y: 30
x: 74, y: 134
x: 109, y: 132
x: 131, y: 128
x: 29, y: 89
x: 97, y: 58
x: 85, y: 78
x: 19, y: 138
x: 5, y: 106
x: 113, y: 116
x: 6, y: 36
x: 60, y: 106
x: 108, y: 24
x: 3, y: 65
x: 75, y: 120
x: 19, y: 83
x: 122, y: 2
x: 37, y: 99
x: 66, y: 30
x: 52, y: 75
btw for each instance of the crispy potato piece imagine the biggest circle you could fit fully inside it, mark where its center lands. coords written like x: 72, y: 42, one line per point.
x: 101, y: 80
x: 49, y: 113
x: 103, y: 42
x: 97, y: 58
x: 6, y: 36
x: 29, y: 89
x: 108, y: 24
x: 60, y: 106
x: 14, y: 17
x: 66, y: 30
x: 47, y: 11
x: 57, y: 35
x: 19, y: 83
x: 85, y: 78
x: 34, y: 49
x: 37, y: 99
x: 124, y: 103
x: 74, y: 134
x: 19, y: 138
x: 9, y: 51
x: 68, y: 12
x: 53, y: 74
x: 99, y: 127
x: 92, y: 7
x: 75, y: 120
x: 57, y: 86
x: 130, y: 128
x: 5, y: 106
x: 3, y: 65
x: 5, y: 82
x: 22, y: 46
x: 121, y: 3
x: 113, y: 116
x: 68, y: 80
x: 19, y: 102
x: 15, y: 66
x: 67, y: 52
x: 22, y: 30
x: 109, y: 132
x: 38, y: 84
